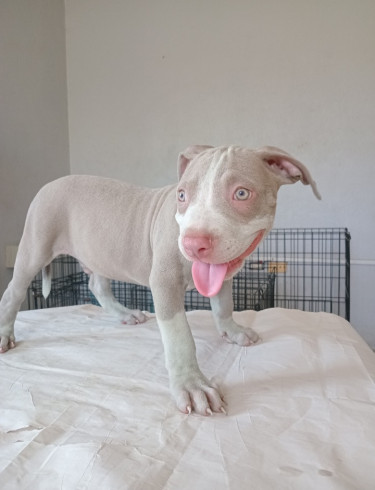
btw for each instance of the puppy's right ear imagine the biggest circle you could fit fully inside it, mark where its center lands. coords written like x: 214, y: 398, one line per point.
x: 185, y: 157
x: 286, y: 168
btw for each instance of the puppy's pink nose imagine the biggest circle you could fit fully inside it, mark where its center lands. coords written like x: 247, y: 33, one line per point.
x: 197, y: 247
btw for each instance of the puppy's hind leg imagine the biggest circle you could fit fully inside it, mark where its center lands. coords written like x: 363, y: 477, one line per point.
x: 25, y: 269
x: 101, y: 288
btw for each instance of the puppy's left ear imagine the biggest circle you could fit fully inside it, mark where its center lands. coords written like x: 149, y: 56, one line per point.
x: 185, y: 157
x: 287, y: 169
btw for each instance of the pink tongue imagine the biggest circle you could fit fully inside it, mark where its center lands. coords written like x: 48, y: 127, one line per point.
x: 208, y: 278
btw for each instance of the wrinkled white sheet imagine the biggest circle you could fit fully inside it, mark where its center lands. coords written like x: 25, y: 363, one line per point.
x: 85, y: 405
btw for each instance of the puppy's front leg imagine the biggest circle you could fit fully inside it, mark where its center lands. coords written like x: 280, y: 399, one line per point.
x: 190, y: 388
x: 222, y: 309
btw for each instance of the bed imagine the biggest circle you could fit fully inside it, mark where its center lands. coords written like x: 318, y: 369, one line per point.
x: 85, y: 405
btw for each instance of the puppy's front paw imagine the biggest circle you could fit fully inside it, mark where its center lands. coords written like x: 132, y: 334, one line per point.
x: 235, y: 334
x: 193, y: 392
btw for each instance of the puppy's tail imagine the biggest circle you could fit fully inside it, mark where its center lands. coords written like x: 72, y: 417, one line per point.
x: 46, y: 280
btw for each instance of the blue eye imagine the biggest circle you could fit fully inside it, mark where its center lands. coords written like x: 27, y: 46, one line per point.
x: 241, y: 194
x: 181, y: 195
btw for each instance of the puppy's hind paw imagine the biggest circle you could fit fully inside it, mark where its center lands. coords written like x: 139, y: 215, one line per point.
x: 6, y: 343
x: 133, y: 317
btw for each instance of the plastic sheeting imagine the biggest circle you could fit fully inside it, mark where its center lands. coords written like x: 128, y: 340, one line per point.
x: 85, y: 405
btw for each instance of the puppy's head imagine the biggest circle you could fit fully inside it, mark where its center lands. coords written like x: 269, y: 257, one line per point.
x: 226, y: 203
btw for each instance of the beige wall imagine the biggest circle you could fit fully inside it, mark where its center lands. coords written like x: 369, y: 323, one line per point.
x: 146, y: 78
x: 33, y: 110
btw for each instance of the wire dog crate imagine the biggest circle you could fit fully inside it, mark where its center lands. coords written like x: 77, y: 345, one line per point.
x: 300, y: 268
x: 312, y: 268
x: 71, y: 288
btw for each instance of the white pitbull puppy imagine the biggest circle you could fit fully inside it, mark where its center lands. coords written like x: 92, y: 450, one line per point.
x: 196, y: 233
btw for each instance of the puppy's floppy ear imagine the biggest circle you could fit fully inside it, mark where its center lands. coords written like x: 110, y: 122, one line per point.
x: 185, y: 157
x: 287, y: 169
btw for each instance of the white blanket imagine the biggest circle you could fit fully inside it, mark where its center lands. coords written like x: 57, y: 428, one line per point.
x: 85, y: 405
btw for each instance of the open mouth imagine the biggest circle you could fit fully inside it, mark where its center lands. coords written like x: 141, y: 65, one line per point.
x: 209, y: 278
